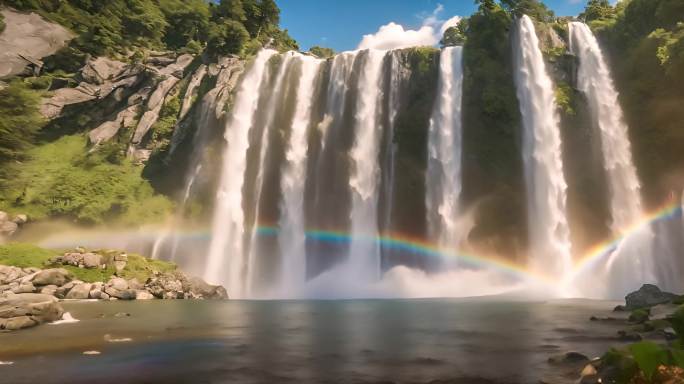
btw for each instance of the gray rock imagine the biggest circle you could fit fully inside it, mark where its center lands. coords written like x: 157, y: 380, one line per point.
x: 191, y: 90
x: 24, y: 288
x: 135, y: 284
x: 20, y: 219
x: 8, y: 228
x: 143, y: 295
x: 647, y: 296
x: 49, y: 290
x: 79, y: 292
x: 200, y: 288
x: 27, y: 37
x: 663, y: 311
x: 9, y: 274
x: 153, y: 107
x: 101, y: 69
x: 107, y: 130
x: 118, y: 283
x: 98, y: 294
x: 124, y: 294
x: 92, y: 260
x: 28, y: 309
x: 52, y: 276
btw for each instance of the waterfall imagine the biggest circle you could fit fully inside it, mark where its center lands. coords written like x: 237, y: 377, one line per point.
x: 631, y: 263
x: 228, y: 223
x: 364, y: 258
x: 277, y: 94
x: 594, y: 81
x: 291, y: 237
x: 541, y: 151
x: 443, y: 179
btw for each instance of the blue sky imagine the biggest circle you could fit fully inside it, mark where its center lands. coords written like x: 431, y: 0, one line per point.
x: 341, y: 24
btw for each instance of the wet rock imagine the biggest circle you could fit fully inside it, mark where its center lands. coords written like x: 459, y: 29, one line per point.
x: 568, y: 357
x: 202, y: 289
x: 123, y: 294
x: 52, y: 276
x: 118, y: 283
x: 630, y: 336
x: 647, y: 296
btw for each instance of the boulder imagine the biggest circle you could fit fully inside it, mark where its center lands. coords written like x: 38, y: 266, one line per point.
x: 647, y: 296
x: 202, y: 289
x: 26, y: 38
x: 27, y: 310
x: 123, y: 294
x: 52, y: 276
x: 143, y: 295
x: 79, y: 292
x: 9, y: 274
x: 92, y: 260
x: 20, y: 219
x: 98, y: 295
x: 49, y: 290
x: 118, y: 283
x: 101, y: 69
x: 24, y: 288
x: 8, y: 228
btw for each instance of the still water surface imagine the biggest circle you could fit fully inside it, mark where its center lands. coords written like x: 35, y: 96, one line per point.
x: 356, y: 341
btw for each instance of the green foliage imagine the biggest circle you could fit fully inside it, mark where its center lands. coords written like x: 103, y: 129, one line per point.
x: 649, y: 356
x: 598, y: 10
x: 116, y: 27
x: 453, y: 36
x: 322, y: 52
x: 188, y: 22
x: 639, y: 315
x: 163, y: 128
x: 62, y: 179
x: 677, y: 321
x: 625, y: 368
x: 532, y: 8
x: 20, y: 119
x: 227, y: 38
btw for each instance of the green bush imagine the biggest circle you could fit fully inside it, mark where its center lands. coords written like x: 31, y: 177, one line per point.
x: 20, y: 120
x: 63, y: 179
x: 649, y: 356
x: 227, y: 38
x: 322, y: 52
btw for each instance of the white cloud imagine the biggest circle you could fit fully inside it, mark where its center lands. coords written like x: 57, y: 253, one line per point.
x: 394, y: 36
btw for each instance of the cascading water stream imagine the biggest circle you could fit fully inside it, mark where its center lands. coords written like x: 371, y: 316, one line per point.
x: 364, y: 256
x: 631, y: 263
x: 541, y: 151
x: 593, y: 79
x: 396, y: 78
x: 443, y: 179
x: 291, y: 237
x: 276, y: 96
x: 226, y: 262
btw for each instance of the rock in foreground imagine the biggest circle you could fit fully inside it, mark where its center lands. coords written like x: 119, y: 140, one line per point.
x: 26, y: 310
x: 647, y: 296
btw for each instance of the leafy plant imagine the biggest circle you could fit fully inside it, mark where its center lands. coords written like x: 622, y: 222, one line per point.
x: 649, y: 356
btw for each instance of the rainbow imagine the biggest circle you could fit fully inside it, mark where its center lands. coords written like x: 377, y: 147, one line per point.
x: 607, y: 247
x: 401, y: 242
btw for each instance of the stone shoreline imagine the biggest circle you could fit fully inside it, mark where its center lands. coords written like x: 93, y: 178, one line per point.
x: 30, y: 296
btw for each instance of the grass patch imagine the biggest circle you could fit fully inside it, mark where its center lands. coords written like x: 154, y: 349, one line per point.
x: 25, y: 255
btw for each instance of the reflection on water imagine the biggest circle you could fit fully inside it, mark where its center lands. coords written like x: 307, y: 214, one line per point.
x: 354, y: 341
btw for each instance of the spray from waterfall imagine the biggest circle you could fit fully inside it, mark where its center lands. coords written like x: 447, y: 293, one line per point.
x: 226, y: 261
x: 443, y: 179
x: 291, y: 237
x: 364, y: 257
x: 541, y: 151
